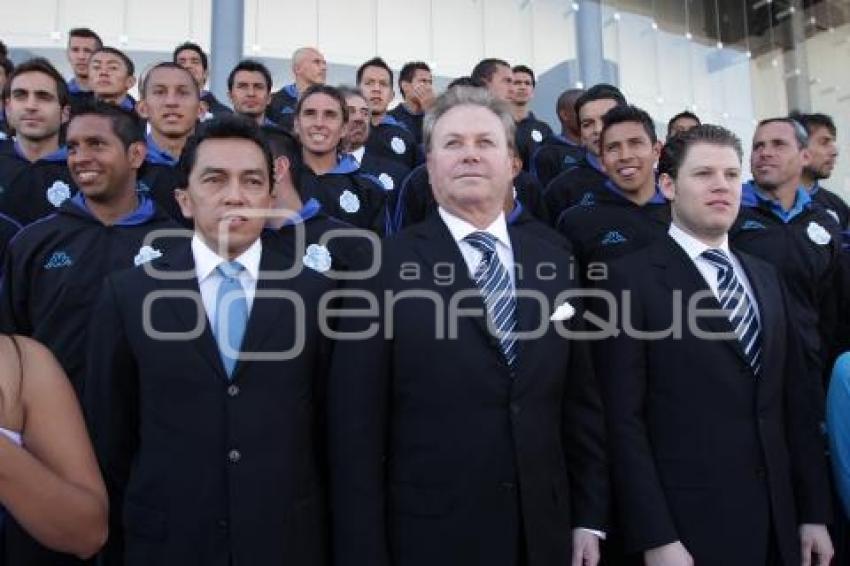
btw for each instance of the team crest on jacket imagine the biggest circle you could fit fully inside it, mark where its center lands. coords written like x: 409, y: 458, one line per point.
x: 58, y: 193
x: 398, y: 145
x: 536, y: 136
x: 146, y: 254
x: 317, y: 258
x: 59, y: 259
x: 349, y: 202
x: 386, y: 181
x: 818, y: 234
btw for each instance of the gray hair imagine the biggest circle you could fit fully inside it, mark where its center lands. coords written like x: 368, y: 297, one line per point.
x: 468, y: 96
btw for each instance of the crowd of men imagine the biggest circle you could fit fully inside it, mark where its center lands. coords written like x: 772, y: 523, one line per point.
x: 483, y: 347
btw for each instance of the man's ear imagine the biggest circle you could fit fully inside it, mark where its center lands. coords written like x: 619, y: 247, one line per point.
x: 203, y: 108
x: 65, y: 116
x: 143, y: 110
x: 183, y: 201
x: 131, y: 80
x: 136, y: 154
x: 805, y: 156
x: 281, y: 168
x: 516, y: 165
x: 668, y: 186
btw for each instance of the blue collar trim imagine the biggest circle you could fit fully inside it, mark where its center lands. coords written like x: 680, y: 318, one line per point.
x: 74, y: 87
x: 753, y: 197
x: 594, y: 162
x: 291, y: 90
x: 59, y: 155
x: 310, y: 209
x: 157, y: 156
x: 144, y: 212
x: 345, y: 164
x: 515, y: 213
x: 657, y: 197
x: 388, y: 120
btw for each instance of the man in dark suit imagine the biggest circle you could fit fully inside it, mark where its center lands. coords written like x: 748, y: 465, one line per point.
x: 208, y: 434
x: 713, y: 419
x: 453, y: 440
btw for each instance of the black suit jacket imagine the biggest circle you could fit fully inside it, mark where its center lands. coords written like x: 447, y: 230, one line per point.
x: 201, y: 470
x: 440, y: 452
x: 702, y: 450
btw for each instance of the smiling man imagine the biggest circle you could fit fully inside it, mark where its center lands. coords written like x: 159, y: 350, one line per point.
x: 631, y: 212
x: 182, y: 422
x: 33, y: 170
x: 331, y: 177
x: 476, y: 448
x: 713, y: 427
x: 780, y: 223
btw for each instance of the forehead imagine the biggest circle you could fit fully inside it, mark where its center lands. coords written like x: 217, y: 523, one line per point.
x: 106, y: 57
x: 522, y: 76
x: 249, y: 77
x: 169, y: 76
x: 77, y: 41
x: 682, y: 120
x: 356, y: 101
x: 468, y: 119
x: 189, y: 54
x: 34, y: 80
x: 625, y: 130
x: 232, y: 154
x: 88, y: 126
x: 311, y: 56
x: 373, y: 72
x: 320, y: 101
x: 596, y: 108
x: 820, y: 131
x: 775, y: 131
x: 704, y: 154
x: 421, y: 74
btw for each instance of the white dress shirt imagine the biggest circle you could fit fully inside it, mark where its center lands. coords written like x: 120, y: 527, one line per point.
x: 209, y: 278
x: 460, y: 228
x: 694, y: 249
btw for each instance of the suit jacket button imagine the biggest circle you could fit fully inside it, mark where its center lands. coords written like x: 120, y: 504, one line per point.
x: 222, y: 524
x: 233, y: 390
x: 761, y: 473
x: 234, y: 456
x: 507, y: 486
x: 515, y: 409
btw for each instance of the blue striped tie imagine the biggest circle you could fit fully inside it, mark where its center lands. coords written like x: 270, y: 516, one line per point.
x: 231, y: 314
x: 494, y: 282
x: 733, y: 299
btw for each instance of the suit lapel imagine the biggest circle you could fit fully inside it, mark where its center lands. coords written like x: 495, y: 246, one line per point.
x: 434, y: 243
x: 187, y: 311
x: 264, y: 316
x: 680, y: 274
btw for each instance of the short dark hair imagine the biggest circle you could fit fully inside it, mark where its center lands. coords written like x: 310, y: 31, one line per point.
x: 131, y: 67
x: 251, y: 66
x: 680, y: 115
x: 527, y: 70
x: 814, y: 121
x: 347, y: 91
x: 328, y: 90
x: 43, y: 66
x: 485, y: 69
x: 143, y: 90
x: 374, y: 62
x: 4, y: 52
x: 86, y: 33
x: 408, y: 71
x: 623, y: 114
x: 677, y: 147
x: 7, y: 66
x: 126, y: 124
x: 601, y: 91
x: 228, y: 126
x: 466, y: 81
x: 800, y: 133
x: 190, y: 46
x: 566, y: 100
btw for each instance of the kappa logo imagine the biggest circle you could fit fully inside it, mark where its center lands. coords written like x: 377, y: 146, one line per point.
x: 587, y: 200
x: 613, y: 238
x: 753, y: 225
x: 58, y: 260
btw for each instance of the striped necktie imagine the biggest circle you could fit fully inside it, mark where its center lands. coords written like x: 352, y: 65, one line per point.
x: 741, y: 312
x: 494, y: 283
x: 231, y: 314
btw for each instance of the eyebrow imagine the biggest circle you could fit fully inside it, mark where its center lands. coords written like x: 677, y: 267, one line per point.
x: 222, y: 170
